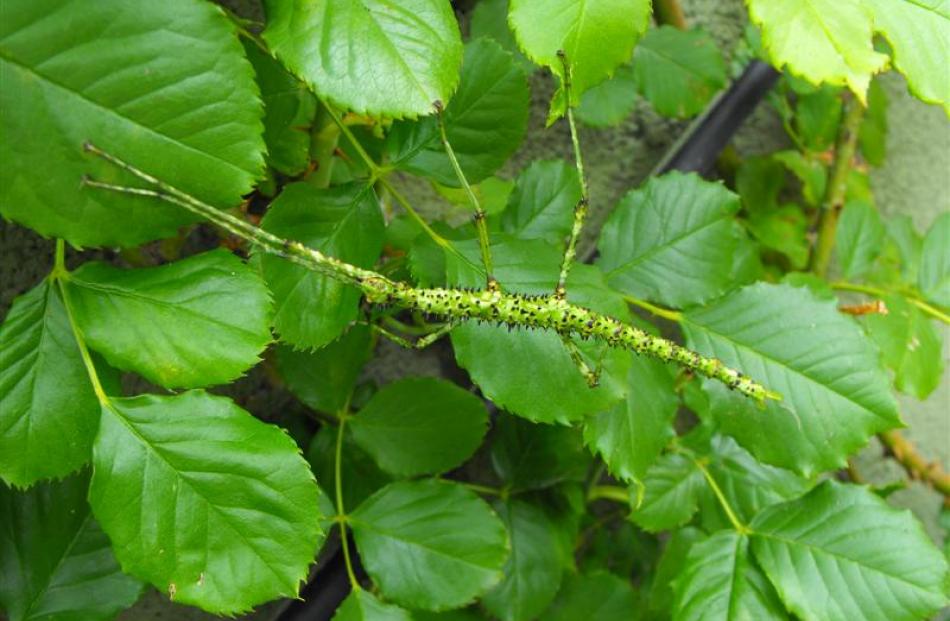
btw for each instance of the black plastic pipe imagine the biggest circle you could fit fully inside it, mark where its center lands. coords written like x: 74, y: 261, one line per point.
x: 706, y: 137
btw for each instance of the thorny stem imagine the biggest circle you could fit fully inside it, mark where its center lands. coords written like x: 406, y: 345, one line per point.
x: 545, y: 312
x: 480, y: 225
x: 580, y: 210
x: 340, y: 509
x: 837, y: 185
x: 740, y: 528
x: 916, y: 464
x: 933, y: 311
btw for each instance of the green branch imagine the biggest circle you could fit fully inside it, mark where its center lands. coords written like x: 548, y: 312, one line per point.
x: 544, y: 312
x: 837, y: 188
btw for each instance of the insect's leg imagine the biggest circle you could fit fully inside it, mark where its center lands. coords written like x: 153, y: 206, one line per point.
x: 599, y: 368
x: 420, y: 343
x: 592, y: 377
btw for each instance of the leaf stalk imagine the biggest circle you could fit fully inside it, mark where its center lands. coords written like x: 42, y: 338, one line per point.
x: 740, y: 528
x: 60, y: 275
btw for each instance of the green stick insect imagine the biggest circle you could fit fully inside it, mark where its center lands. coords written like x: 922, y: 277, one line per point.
x: 544, y: 312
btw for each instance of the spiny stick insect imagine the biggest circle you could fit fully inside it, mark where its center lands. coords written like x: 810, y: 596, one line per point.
x: 546, y: 312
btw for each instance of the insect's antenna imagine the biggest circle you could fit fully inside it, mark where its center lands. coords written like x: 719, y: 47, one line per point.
x: 290, y: 250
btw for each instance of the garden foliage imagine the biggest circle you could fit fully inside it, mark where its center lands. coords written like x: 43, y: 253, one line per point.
x: 585, y: 474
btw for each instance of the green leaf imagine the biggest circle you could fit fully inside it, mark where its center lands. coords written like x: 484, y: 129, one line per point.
x: 809, y: 170
x: 343, y: 222
x: 748, y: 485
x: 204, y: 501
x: 420, y: 426
x: 533, y: 571
x: 901, y: 231
x: 46, y: 399
x: 843, y: 544
x: 872, y: 136
x: 720, y: 581
x: 598, y: 595
x: 489, y: 18
x: 492, y: 194
x: 859, y: 238
x: 785, y: 230
x: 408, y: 53
x: 607, y: 104
x: 671, y: 491
x: 934, y: 276
x: 427, y: 259
x: 759, y: 181
x: 163, y: 85
x: 918, y: 34
x: 542, y: 204
x: 324, y: 379
x: 834, y: 391
x: 195, y: 322
x: 429, y: 544
x: 528, y: 456
x: 361, y: 605
x: 520, y: 370
x: 670, y: 566
x: 361, y: 476
x: 672, y: 241
x: 823, y: 41
x: 910, y: 346
x: 678, y: 71
x: 327, y: 510
x: 57, y: 562
x: 289, y: 110
x: 631, y: 435
x: 579, y: 28
x: 485, y: 121
x: 818, y: 117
